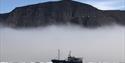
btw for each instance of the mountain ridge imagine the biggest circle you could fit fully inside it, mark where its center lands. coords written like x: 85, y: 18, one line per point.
x: 61, y: 12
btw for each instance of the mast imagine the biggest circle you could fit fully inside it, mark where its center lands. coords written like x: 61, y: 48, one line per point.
x: 69, y: 54
x: 58, y: 54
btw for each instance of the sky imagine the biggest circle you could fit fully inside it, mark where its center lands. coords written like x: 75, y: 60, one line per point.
x: 9, y: 5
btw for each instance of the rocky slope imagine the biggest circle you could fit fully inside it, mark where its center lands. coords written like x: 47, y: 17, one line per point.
x: 61, y: 12
x: 118, y: 15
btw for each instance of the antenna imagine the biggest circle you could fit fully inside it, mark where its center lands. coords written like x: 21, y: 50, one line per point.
x: 69, y: 54
x: 58, y: 54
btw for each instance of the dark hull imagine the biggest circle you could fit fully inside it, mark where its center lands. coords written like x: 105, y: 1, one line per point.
x: 63, y: 61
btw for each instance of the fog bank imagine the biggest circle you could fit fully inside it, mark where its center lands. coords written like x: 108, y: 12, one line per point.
x: 41, y: 44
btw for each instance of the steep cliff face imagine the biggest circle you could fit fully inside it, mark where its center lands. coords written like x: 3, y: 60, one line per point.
x: 3, y: 17
x: 119, y: 16
x: 59, y: 12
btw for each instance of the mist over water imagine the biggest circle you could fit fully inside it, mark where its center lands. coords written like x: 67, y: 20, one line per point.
x: 42, y: 43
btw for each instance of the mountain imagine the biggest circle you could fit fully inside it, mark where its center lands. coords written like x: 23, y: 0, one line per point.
x: 118, y: 15
x: 61, y: 12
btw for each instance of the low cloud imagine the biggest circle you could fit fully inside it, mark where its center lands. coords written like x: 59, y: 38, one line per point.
x: 41, y: 44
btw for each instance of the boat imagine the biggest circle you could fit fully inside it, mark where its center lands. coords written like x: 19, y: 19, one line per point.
x: 70, y: 59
